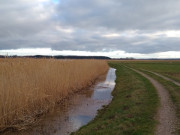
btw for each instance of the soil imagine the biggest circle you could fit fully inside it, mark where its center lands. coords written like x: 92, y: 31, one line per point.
x: 164, y: 77
x: 166, y: 114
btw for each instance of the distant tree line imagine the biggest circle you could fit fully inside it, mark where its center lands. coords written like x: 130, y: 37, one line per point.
x: 58, y: 57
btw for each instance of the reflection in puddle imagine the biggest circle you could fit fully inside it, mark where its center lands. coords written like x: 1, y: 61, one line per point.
x: 80, y: 120
x: 77, y: 111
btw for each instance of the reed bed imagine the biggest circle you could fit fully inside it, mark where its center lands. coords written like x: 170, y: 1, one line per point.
x: 32, y: 87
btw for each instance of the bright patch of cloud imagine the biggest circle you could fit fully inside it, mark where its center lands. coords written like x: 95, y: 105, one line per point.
x: 170, y: 33
x: 111, y: 35
x: 112, y: 54
x: 65, y: 30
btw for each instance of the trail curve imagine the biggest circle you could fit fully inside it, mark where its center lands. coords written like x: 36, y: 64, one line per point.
x: 166, y: 114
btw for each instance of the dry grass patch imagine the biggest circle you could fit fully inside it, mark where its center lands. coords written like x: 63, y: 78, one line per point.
x: 30, y: 87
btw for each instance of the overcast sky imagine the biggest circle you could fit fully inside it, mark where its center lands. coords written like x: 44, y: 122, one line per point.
x: 115, y: 28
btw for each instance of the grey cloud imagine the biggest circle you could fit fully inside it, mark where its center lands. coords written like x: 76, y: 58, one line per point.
x: 121, y: 14
x: 33, y: 24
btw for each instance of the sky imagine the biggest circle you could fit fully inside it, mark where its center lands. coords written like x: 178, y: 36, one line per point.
x: 114, y: 28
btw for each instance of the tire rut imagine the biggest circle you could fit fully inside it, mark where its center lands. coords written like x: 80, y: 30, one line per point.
x: 166, y: 114
x: 164, y: 77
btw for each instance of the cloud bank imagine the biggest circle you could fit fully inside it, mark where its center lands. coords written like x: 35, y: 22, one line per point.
x: 136, y: 27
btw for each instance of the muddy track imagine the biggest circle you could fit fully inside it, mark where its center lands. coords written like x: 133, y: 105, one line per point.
x: 166, y: 114
x: 164, y: 77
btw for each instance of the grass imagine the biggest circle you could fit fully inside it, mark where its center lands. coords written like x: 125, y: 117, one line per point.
x: 169, y: 68
x: 174, y: 92
x: 31, y: 87
x: 132, y: 109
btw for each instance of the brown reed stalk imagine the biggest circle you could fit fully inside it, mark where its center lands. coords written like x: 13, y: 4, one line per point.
x: 30, y: 87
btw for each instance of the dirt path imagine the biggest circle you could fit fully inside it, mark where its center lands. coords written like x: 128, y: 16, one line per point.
x: 164, y: 77
x: 166, y: 115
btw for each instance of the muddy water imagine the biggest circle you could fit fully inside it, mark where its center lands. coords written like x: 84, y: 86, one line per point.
x: 77, y: 111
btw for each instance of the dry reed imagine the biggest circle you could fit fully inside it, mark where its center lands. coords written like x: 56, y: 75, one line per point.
x: 30, y: 87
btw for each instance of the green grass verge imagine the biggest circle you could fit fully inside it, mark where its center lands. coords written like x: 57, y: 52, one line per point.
x: 164, y: 68
x: 170, y: 69
x: 173, y: 90
x: 132, y: 109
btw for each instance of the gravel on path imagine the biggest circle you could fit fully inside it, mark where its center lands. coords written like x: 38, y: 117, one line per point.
x: 164, y: 77
x: 166, y: 114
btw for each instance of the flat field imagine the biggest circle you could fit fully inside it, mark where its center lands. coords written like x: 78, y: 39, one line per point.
x: 169, y: 68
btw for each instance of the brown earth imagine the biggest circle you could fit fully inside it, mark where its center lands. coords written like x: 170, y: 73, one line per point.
x: 166, y: 114
x: 164, y: 77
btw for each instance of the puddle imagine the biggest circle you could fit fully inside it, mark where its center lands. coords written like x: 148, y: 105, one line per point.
x: 77, y: 111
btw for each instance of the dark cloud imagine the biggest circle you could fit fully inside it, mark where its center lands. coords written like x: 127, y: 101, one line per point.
x: 95, y: 25
x: 121, y: 14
